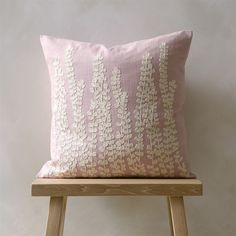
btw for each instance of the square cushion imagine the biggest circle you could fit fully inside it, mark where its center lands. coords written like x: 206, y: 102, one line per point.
x: 118, y: 111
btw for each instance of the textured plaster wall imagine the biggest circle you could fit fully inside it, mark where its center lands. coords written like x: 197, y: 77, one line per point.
x: 210, y: 112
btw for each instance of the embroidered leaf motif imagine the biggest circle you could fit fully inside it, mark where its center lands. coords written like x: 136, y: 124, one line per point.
x: 100, y: 117
x: 124, y: 146
x: 100, y: 151
x: 170, y: 139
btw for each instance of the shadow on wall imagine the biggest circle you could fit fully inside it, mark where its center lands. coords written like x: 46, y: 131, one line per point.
x: 211, y: 126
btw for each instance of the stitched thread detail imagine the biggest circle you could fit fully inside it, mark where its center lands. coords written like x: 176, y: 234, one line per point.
x: 76, y: 90
x: 100, y: 117
x: 66, y: 165
x: 150, y: 118
x: 171, y: 143
x: 95, y: 149
x: 124, y: 146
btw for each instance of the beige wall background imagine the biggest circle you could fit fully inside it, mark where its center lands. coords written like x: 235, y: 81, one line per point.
x: 210, y: 112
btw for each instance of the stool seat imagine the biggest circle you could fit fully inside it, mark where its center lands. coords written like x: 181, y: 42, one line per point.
x: 110, y: 187
x: 60, y: 189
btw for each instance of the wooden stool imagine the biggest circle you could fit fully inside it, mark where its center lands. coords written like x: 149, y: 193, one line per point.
x: 59, y: 189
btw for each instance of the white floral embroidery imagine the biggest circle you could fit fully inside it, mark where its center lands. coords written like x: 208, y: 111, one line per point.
x: 66, y: 165
x: 149, y: 116
x: 170, y: 141
x: 76, y: 89
x: 100, y: 152
x: 59, y: 102
x: 100, y: 116
x: 146, y: 115
x: 124, y: 146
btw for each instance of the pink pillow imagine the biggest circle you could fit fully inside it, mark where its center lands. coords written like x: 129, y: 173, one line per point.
x: 118, y: 111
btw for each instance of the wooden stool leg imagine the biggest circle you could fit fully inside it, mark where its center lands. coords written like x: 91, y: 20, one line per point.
x: 170, y: 218
x: 56, y: 216
x: 177, y: 216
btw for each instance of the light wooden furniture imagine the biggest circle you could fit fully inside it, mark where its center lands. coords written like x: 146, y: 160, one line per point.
x: 60, y: 189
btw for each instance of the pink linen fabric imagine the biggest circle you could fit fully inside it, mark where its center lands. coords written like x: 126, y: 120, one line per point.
x: 118, y: 111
